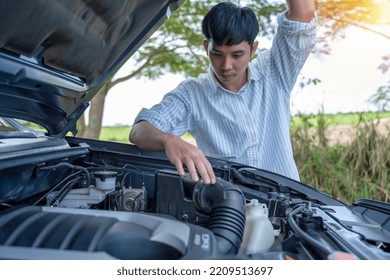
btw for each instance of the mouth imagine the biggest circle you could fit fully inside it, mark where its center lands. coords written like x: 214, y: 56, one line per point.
x: 225, y: 76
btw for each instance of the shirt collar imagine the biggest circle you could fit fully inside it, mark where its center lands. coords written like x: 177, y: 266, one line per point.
x: 213, y: 81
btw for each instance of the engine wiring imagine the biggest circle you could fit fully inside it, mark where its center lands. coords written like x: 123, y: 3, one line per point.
x: 306, y: 237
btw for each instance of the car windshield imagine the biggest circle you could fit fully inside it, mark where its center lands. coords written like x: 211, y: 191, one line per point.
x: 5, y: 126
x: 10, y: 128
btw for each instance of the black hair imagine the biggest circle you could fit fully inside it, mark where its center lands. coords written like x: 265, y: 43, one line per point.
x: 228, y: 24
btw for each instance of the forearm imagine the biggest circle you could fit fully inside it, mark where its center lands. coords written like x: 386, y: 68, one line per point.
x: 148, y: 137
x: 301, y: 10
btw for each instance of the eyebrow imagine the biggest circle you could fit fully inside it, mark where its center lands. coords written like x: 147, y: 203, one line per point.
x: 235, y: 52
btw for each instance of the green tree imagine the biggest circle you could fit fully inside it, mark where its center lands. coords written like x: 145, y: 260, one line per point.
x: 177, y: 46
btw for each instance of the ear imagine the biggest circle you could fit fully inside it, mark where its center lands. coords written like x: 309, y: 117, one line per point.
x: 254, y: 48
x: 206, y: 46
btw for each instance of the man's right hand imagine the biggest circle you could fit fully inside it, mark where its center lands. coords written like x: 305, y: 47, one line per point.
x: 179, y: 152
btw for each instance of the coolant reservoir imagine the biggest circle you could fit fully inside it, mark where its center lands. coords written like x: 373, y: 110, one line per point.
x: 259, y: 232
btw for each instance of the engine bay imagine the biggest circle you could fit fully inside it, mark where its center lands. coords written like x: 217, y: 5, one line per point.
x: 103, y: 200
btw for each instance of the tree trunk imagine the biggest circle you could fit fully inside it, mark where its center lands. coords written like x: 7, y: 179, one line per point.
x: 81, y: 126
x: 95, y: 116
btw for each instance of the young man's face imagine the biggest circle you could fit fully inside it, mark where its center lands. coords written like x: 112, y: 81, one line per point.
x: 229, y: 63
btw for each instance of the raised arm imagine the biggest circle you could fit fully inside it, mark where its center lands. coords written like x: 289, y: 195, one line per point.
x: 301, y: 10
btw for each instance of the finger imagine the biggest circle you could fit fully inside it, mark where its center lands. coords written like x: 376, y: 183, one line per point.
x: 192, y: 170
x: 210, y: 172
x: 203, y: 173
x: 206, y: 171
x: 179, y: 167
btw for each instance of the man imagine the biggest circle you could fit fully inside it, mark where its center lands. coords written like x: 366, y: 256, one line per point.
x: 239, y: 110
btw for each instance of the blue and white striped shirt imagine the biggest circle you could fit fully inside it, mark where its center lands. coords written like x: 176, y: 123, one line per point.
x: 251, y: 126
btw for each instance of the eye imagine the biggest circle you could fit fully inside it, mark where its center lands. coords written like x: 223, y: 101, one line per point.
x: 216, y: 54
x: 237, y: 55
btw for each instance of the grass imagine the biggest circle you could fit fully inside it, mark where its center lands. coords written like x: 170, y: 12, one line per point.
x: 359, y: 169
x: 115, y: 134
x: 300, y: 120
x: 121, y: 134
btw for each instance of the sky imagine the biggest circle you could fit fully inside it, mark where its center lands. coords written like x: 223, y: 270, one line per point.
x: 349, y: 75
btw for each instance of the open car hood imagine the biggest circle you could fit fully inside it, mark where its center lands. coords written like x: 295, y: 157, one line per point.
x: 55, y: 55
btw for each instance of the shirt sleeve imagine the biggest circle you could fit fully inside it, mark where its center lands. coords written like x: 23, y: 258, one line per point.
x: 291, y: 47
x: 171, y: 115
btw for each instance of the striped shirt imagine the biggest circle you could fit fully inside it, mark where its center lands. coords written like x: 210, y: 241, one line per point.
x: 251, y: 126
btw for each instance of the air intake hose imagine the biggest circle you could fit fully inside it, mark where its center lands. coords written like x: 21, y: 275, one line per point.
x: 224, y: 202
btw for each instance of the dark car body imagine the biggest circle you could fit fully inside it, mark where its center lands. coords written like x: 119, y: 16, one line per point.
x: 65, y: 197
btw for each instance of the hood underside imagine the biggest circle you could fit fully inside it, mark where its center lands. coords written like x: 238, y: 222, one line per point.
x: 55, y: 55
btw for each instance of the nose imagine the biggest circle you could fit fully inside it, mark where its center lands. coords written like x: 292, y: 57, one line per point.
x: 227, y: 63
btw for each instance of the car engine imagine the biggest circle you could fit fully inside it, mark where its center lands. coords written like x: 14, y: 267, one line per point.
x: 88, y: 199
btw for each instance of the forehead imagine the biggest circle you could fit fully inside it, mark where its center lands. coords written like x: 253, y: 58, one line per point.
x: 242, y: 47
